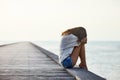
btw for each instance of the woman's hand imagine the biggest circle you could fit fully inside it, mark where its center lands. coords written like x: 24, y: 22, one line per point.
x: 84, y: 40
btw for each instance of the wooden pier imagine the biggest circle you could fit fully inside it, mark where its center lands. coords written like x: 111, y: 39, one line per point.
x: 27, y: 61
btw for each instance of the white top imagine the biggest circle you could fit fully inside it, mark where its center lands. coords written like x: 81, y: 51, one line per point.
x: 67, y: 45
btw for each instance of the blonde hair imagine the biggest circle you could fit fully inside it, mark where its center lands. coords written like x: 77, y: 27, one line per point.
x: 80, y: 32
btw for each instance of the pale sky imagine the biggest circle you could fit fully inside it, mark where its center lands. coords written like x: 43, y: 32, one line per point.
x: 36, y: 20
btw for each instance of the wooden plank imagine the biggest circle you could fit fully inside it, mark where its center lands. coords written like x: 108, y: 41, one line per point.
x: 37, y: 73
x: 32, y: 77
x: 82, y: 74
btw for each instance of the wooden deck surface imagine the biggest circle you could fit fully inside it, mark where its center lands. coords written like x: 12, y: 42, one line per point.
x: 23, y: 61
x: 27, y: 61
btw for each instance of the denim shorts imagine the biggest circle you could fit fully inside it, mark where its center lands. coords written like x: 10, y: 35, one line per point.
x: 67, y: 63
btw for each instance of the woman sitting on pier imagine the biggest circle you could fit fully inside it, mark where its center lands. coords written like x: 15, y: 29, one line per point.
x: 73, y: 46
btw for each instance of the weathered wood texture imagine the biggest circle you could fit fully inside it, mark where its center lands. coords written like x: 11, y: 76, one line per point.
x: 79, y: 74
x: 23, y: 61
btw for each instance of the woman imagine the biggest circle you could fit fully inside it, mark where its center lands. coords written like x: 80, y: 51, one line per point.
x: 73, y: 46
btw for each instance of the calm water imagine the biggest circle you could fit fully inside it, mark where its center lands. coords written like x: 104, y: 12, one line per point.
x: 103, y: 58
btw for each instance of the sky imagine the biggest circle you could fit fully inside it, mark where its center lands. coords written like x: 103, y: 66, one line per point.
x: 45, y: 20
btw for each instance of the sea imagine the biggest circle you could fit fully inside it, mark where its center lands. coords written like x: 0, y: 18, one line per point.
x: 103, y: 57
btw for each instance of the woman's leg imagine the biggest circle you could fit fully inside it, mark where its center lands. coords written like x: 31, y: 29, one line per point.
x: 75, y: 54
x: 83, y: 57
x: 79, y: 51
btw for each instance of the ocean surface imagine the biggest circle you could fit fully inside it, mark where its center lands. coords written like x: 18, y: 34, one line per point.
x: 103, y: 57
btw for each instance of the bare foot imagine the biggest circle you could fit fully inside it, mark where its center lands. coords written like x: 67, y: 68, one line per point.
x: 84, y: 66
